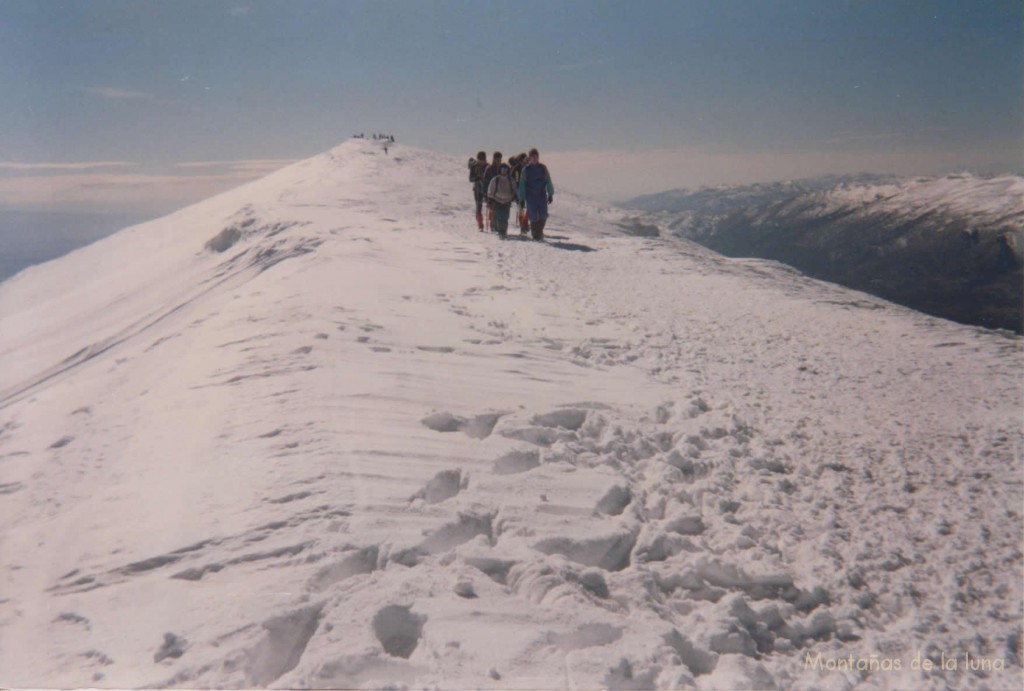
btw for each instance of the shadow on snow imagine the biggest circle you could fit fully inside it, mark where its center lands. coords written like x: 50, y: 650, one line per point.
x: 556, y: 241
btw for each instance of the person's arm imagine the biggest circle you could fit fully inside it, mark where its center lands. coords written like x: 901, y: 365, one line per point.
x: 550, y: 185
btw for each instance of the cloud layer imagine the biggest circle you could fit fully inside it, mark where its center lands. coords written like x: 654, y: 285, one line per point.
x: 19, y: 167
x: 75, y: 188
x: 611, y: 175
x: 620, y: 175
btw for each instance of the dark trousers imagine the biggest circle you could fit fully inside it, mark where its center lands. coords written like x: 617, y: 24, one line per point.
x: 537, y: 228
x: 501, y: 212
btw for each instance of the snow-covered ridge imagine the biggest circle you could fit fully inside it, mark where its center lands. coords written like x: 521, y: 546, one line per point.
x: 990, y: 199
x: 952, y: 247
x: 719, y: 199
x: 319, y: 432
x: 985, y: 200
x: 224, y: 238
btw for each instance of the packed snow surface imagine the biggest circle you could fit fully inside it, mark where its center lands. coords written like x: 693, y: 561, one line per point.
x: 320, y: 432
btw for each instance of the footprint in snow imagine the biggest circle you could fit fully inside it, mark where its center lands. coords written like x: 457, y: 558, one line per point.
x: 62, y: 442
x: 398, y: 629
x: 445, y: 485
x: 354, y: 563
x: 282, y: 646
x: 568, y: 418
x: 480, y: 427
x: 11, y: 487
x: 586, y: 636
x: 515, y: 462
x: 174, y: 647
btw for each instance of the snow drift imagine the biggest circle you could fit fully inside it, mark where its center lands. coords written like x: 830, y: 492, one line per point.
x: 319, y: 432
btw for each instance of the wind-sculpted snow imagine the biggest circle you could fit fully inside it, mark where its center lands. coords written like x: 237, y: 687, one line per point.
x: 354, y: 443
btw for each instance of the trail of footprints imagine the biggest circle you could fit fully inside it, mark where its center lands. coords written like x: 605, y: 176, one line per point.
x: 671, y: 516
x: 667, y: 513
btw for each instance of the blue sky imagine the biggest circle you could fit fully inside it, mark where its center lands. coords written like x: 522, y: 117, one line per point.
x: 113, y: 105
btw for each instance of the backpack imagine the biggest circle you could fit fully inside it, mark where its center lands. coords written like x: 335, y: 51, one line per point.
x: 504, y: 189
x: 474, y: 170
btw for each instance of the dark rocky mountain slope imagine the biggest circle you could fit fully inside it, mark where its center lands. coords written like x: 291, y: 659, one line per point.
x: 950, y: 247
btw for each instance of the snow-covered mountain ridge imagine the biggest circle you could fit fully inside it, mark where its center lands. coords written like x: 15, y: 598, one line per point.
x: 318, y: 432
x: 720, y: 199
x: 951, y: 246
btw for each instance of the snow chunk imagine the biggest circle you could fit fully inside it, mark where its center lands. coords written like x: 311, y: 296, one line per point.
x: 615, y: 500
x: 698, y: 661
x: 609, y: 552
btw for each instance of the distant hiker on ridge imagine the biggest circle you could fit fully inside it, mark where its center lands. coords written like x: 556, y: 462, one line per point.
x: 501, y: 193
x: 476, y: 176
x: 489, y: 174
x: 536, y: 188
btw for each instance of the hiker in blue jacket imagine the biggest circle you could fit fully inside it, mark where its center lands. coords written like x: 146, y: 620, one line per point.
x: 536, y: 189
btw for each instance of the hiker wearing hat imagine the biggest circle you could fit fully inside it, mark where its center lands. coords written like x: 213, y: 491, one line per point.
x: 489, y: 174
x: 501, y: 192
x: 476, y: 176
x: 536, y: 189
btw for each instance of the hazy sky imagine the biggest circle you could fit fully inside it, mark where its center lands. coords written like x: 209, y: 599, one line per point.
x: 110, y: 105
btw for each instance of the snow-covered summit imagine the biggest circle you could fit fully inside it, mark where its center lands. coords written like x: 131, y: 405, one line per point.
x: 320, y: 432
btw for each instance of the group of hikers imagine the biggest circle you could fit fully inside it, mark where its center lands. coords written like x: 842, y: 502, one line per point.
x: 376, y: 137
x: 522, y: 180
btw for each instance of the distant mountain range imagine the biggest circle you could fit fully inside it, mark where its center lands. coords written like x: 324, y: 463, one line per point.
x: 724, y: 198
x: 948, y: 246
